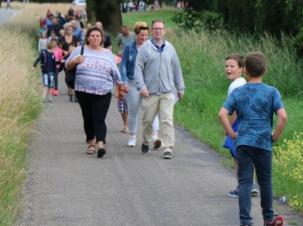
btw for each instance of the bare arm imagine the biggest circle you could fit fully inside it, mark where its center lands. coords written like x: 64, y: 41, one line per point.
x: 282, y: 119
x: 223, y: 116
x: 74, y: 62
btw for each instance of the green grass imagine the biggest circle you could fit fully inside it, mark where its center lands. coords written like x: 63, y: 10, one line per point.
x: 20, y: 105
x: 166, y: 14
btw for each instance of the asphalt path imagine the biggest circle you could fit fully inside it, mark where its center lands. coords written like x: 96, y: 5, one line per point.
x: 65, y: 186
x: 6, y: 14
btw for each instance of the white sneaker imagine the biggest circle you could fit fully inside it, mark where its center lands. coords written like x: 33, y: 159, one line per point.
x: 167, y: 154
x: 131, y: 141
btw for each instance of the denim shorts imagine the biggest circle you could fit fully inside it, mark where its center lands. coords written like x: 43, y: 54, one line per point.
x: 48, y: 79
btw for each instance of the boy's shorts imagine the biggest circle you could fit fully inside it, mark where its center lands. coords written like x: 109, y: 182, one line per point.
x: 230, y: 143
x: 48, y: 80
x: 122, y: 105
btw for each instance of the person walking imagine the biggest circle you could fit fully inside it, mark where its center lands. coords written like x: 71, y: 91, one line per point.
x: 48, y: 69
x: 107, y: 41
x: 67, y: 42
x: 158, y: 76
x: 96, y: 73
x: 255, y: 104
x: 124, y: 37
x: 8, y: 4
x: 127, y: 68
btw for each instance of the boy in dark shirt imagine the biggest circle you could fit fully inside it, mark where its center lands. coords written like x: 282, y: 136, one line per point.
x: 48, y: 69
x: 255, y: 103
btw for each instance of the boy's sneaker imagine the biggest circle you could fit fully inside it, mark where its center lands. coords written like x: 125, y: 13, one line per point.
x: 131, y: 141
x: 167, y: 153
x: 234, y: 193
x: 255, y: 191
x: 277, y: 221
x: 144, y: 148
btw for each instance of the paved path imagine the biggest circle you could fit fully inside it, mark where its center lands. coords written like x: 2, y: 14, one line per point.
x: 6, y: 14
x: 66, y: 187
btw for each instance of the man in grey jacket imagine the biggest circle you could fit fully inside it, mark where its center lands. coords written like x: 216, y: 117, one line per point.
x: 159, y: 78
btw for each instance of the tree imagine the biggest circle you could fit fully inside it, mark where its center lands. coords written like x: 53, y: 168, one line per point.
x: 107, y: 11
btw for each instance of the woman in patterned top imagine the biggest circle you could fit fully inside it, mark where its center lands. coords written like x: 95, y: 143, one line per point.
x: 95, y: 76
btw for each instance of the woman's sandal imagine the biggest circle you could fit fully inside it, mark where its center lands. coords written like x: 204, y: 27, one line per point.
x: 91, y: 149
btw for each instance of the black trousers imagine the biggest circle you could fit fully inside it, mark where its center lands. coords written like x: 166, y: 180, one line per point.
x: 94, y: 110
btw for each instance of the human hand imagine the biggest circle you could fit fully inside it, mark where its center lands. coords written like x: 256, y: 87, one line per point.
x: 144, y: 93
x: 78, y: 59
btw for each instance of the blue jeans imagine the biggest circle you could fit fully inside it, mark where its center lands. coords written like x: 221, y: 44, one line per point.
x: 248, y: 157
x: 133, y: 107
x: 48, y: 79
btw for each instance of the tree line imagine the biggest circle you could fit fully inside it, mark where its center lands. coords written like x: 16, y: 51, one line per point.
x: 272, y: 16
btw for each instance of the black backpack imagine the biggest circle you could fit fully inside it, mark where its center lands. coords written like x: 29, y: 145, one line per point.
x: 70, y: 75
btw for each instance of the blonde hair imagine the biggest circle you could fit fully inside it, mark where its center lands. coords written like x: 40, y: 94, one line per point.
x: 140, y: 25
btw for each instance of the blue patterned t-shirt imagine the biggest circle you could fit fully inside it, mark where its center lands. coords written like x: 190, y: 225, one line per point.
x: 255, y: 104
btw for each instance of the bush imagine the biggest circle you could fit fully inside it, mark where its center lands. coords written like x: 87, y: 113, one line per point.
x: 192, y: 20
x: 288, y: 170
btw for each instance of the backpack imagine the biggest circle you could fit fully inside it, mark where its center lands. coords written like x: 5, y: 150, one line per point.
x: 70, y: 75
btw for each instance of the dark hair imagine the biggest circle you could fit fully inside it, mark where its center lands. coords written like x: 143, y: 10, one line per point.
x: 236, y: 57
x: 255, y: 64
x: 140, y: 28
x: 90, y: 30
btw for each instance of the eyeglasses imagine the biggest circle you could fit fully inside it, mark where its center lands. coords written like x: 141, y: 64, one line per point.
x: 158, y: 28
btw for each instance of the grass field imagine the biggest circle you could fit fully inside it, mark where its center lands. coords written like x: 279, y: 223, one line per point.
x: 164, y: 14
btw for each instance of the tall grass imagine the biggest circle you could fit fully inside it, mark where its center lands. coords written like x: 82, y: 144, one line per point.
x: 202, y: 57
x: 20, y: 101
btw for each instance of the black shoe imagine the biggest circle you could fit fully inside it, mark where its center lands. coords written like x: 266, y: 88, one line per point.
x: 144, y: 148
x: 157, y: 144
x: 101, y: 152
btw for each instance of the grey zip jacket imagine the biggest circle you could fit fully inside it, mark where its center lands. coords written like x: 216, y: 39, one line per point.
x: 158, y: 69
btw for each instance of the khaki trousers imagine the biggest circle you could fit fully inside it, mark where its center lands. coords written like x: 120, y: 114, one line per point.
x: 164, y: 105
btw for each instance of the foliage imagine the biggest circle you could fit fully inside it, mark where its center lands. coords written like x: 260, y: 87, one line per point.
x: 256, y: 15
x: 165, y: 14
x: 107, y: 11
x: 197, y: 21
x: 288, y: 170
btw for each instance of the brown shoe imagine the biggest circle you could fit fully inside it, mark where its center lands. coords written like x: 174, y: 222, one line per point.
x: 157, y: 144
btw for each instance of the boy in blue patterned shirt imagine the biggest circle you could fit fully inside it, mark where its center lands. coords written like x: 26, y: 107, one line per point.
x: 255, y: 103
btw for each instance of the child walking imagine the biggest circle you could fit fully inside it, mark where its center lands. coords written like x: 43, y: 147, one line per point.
x: 48, y: 70
x: 122, y: 107
x: 255, y: 103
x: 234, y: 65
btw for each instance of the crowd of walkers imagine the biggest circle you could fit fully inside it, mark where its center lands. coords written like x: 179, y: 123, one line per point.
x: 92, y: 71
x: 146, y: 74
